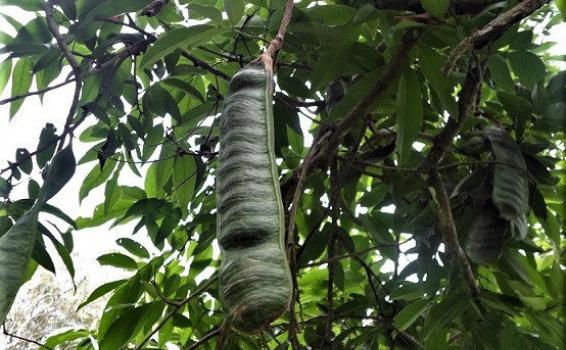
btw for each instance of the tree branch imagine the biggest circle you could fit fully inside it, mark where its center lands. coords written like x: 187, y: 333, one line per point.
x: 334, y: 198
x: 353, y: 254
x: 223, y: 333
x: 447, y: 227
x: 205, y: 339
x: 197, y: 62
x: 31, y: 341
x: 492, y: 31
x: 37, y: 92
x: 466, y: 105
x: 76, y: 68
x: 389, y: 74
x: 276, y: 44
x: 196, y: 293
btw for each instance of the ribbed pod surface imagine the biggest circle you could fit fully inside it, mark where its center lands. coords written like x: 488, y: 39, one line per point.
x: 487, y: 235
x: 254, y: 282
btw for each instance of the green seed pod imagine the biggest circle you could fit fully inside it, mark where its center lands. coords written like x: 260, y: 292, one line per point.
x: 487, y: 236
x: 255, y: 280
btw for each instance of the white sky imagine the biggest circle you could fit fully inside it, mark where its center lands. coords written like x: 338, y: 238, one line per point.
x: 24, y: 130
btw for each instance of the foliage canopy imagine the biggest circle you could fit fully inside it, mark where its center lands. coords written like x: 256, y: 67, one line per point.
x: 420, y: 147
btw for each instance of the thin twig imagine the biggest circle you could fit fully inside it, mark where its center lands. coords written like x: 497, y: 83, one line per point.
x: 31, y: 341
x: 353, y: 254
x: 493, y: 30
x: 197, y: 62
x: 205, y: 339
x: 196, y: 293
x: 76, y: 68
x: 390, y: 72
x: 224, y: 332
x: 334, y: 199
x: 468, y: 98
x: 290, y: 239
x: 37, y: 92
x: 131, y: 24
x: 313, y: 152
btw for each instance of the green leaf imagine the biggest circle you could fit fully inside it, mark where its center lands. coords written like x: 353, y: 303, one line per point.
x: 518, y: 108
x: 60, y: 171
x: 5, y: 70
x: 5, y: 188
x: 40, y: 255
x: 499, y: 72
x: 154, y: 138
x: 437, y: 8
x: 16, y: 247
x: 184, y: 179
x: 47, y: 144
x: 528, y: 67
x: 184, y: 38
x: 331, y: 14
x: 512, y: 262
x: 21, y: 82
x: 160, y: 102
x: 62, y: 250
x: 101, y: 291
x: 510, y: 185
x: 112, y: 193
x: 409, y: 113
x: 28, y: 5
x: 118, y: 260
x: 133, y: 247
x: 234, y: 10
x: 553, y: 119
x: 110, y: 8
x: 183, y: 85
x: 409, y: 314
x: 441, y: 314
x: 66, y: 337
x: 561, y: 4
x: 206, y: 11
x: 431, y: 65
x: 96, y: 177
x: 23, y: 158
x: 125, y: 326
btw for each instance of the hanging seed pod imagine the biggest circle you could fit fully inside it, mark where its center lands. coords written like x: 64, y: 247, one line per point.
x: 255, y: 284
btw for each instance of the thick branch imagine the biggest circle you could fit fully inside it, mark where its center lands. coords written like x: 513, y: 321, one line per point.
x: 447, y: 228
x: 466, y: 107
x: 334, y: 198
x: 466, y: 103
x: 493, y: 30
x: 329, y: 140
x: 53, y: 28
x: 276, y: 44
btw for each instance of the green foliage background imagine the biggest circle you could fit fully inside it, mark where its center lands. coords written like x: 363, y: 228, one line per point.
x: 150, y: 85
